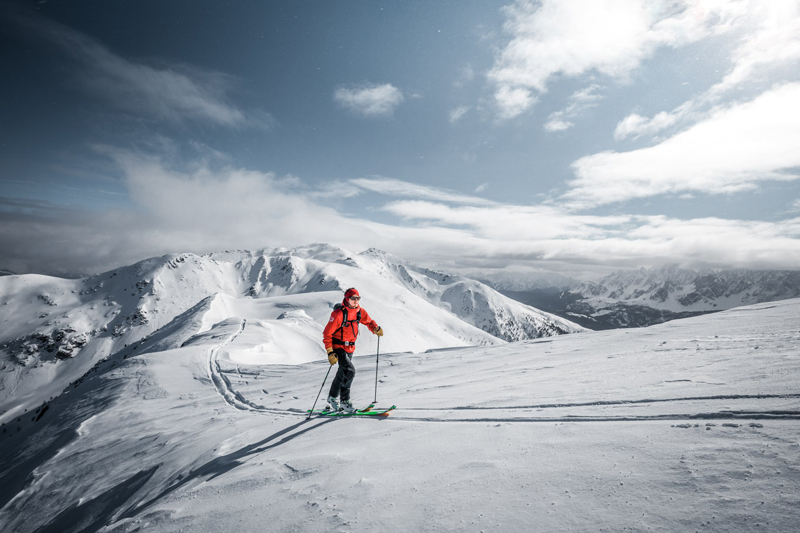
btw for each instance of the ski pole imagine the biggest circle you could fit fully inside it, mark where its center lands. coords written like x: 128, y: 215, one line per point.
x: 320, y: 392
x: 377, y: 355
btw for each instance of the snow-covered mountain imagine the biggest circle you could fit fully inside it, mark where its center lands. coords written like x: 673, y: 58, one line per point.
x: 54, y: 330
x: 675, y: 289
x: 636, y: 298
x: 686, y: 426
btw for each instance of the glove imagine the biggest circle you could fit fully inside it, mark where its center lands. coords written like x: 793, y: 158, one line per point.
x: 378, y: 331
x: 332, y: 356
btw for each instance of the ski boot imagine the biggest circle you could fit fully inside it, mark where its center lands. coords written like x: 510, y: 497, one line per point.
x: 333, y: 404
x: 347, y: 406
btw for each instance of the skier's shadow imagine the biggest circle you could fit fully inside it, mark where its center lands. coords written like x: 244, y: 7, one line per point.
x: 225, y: 463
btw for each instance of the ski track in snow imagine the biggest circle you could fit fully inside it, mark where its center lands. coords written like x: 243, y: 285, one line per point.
x: 730, y: 415
x: 519, y: 417
x: 224, y: 387
x: 222, y: 384
x: 624, y: 402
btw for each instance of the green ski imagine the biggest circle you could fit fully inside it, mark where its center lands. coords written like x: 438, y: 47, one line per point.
x: 368, y: 411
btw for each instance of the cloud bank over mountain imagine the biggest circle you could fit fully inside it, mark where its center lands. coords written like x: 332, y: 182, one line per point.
x: 206, y: 206
x: 571, y: 137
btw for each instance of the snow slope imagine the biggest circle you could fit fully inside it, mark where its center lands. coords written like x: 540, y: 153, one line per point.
x: 55, y: 330
x: 689, y: 425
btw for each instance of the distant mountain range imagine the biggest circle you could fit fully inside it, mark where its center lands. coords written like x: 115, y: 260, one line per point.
x: 649, y: 296
x: 54, y: 330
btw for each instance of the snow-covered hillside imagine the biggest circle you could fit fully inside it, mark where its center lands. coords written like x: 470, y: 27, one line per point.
x: 690, y: 425
x: 675, y: 289
x: 54, y: 330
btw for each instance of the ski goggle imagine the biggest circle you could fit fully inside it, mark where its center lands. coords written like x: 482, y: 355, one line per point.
x: 356, y: 298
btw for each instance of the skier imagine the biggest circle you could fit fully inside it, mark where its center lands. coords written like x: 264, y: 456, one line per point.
x: 339, y: 338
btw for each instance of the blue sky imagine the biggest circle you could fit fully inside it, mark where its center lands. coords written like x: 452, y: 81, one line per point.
x: 571, y: 137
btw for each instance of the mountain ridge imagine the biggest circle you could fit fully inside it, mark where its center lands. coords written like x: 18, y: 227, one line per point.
x: 72, y: 324
x: 643, y: 297
x: 677, y: 289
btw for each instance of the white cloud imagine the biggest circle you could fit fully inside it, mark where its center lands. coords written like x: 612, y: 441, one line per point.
x: 174, y: 208
x: 370, y: 100
x: 205, y: 208
x: 504, y: 223
x: 579, y: 102
x: 587, y: 95
x: 482, y: 187
x: 335, y: 189
x: 456, y: 114
x: 772, y: 41
x: 767, y: 51
x: 199, y: 209
x: 171, y: 92
x: 609, y: 37
x: 637, y: 125
x: 556, y: 124
x: 394, y: 187
x: 556, y: 237
x: 732, y: 150
x: 725, y: 243
x: 513, y: 100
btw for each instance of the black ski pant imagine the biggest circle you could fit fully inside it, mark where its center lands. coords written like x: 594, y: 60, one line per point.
x: 344, y: 376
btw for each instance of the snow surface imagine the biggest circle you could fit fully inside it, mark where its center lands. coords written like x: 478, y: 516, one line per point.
x: 690, y: 425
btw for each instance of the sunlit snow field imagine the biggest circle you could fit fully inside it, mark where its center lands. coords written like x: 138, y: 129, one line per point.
x: 689, y: 425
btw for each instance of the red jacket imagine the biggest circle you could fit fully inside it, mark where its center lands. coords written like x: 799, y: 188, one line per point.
x: 334, y: 335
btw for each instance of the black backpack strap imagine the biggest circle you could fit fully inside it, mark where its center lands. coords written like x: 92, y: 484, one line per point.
x: 345, y: 323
